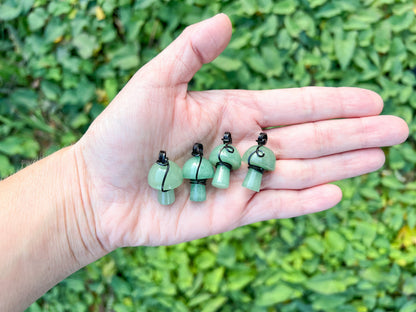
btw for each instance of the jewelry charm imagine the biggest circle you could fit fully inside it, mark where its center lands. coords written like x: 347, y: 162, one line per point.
x: 259, y: 159
x: 225, y: 158
x: 198, y: 170
x: 165, y: 176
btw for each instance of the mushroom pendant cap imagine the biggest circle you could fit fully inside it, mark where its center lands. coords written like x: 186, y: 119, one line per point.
x: 231, y: 158
x: 267, y: 162
x: 190, y: 169
x: 173, y: 179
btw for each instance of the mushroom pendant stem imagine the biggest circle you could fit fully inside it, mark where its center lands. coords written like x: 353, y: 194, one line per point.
x: 166, y: 198
x: 253, y: 180
x: 222, y: 177
x: 198, y: 192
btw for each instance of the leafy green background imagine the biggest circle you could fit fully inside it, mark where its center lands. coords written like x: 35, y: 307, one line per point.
x: 61, y: 62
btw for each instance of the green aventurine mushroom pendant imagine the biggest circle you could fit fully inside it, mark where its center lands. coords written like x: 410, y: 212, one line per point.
x: 197, y: 170
x: 165, y: 176
x: 225, y: 158
x: 259, y: 159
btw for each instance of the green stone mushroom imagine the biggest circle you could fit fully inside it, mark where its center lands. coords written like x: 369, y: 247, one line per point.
x: 225, y: 158
x: 197, y: 169
x: 259, y: 159
x: 165, y: 176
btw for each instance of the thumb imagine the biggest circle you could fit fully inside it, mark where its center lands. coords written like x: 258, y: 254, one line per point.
x: 198, y: 44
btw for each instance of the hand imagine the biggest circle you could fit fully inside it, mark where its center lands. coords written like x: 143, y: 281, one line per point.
x: 330, y: 134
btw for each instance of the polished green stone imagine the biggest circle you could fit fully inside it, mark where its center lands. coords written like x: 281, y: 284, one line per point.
x: 190, y: 169
x: 198, y: 193
x: 234, y: 159
x: 166, y: 198
x: 173, y: 179
x: 222, y: 173
x: 267, y: 162
x: 222, y: 177
x: 253, y: 180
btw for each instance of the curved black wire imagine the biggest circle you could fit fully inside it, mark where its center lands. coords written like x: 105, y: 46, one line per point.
x: 260, y: 154
x: 163, y: 161
x: 230, y: 149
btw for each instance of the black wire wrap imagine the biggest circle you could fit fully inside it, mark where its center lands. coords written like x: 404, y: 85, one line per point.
x: 260, y: 154
x: 230, y: 150
x: 163, y: 161
x: 193, y: 181
x: 198, y: 150
x: 261, y: 140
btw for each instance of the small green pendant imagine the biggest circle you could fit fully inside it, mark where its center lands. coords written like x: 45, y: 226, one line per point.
x: 225, y: 158
x: 165, y: 176
x: 197, y: 169
x: 259, y: 159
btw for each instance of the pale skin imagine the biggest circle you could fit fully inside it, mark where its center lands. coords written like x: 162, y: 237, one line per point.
x: 84, y: 201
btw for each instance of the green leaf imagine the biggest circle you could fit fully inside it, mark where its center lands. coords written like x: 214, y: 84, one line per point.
x: 328, y: 10
x: 227, y: 64
x: 122, y: 287
x: 326, y: 284
x: 382, y: 37
x: 226, y: 255
x: 369, y: 192
x: 274, y: 294
x: 239, y: 279
x: 285, y: 7
x: 24, y: 98
x: 37, y: 19
x: 214, y: 304
x: 54, y: 29
x: 9, y: 10
x: 205, y: 260
x: 401, y: 22
x: 409, y: 307
x: 111, y: 88
x: 396, y: 160
x: 50, y: 89
x: 391, y: 182
x: 409, y: 287
x: 316, y: 3
x: 249, y: 6
x: 79, y: 120
x: 6, y: 168
x: 126, y: 57
x: 26, y: 5
x: 85, y: 45
x: 198, y: 299
x: 11, y: 145
x: 59, y: 7
x: 345, y: 47
x: 334, y: 241
x: 213, y: 279
x: 328, y: 302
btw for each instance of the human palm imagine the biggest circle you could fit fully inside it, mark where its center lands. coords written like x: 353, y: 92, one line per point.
x: 156, y: 112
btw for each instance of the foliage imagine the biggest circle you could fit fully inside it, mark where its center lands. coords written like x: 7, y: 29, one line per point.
x: 61, y: 62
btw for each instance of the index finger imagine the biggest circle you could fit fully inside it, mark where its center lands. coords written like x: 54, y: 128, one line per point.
x: 298, y: 105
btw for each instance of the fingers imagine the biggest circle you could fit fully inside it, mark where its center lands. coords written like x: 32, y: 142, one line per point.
x: 198, y: 44
x: 290, y: 106
x: 273, y: 204
x: 303, y: 173
x: 312, y: 140
x: 280, y: 107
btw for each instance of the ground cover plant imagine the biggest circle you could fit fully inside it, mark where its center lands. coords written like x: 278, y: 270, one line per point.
x: 61, y: 63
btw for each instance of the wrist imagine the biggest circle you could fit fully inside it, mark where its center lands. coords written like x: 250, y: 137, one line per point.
x: 77, y: 216
x: 48, y: 230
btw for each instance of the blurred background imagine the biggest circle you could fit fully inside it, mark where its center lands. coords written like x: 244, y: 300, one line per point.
x: 61, y: 63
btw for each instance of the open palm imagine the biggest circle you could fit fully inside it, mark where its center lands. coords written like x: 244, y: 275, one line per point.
x: 330, y: 134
